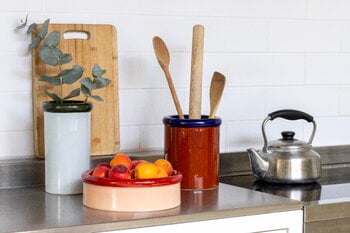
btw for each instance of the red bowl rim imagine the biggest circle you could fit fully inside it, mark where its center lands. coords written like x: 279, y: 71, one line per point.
x: 88, y: 178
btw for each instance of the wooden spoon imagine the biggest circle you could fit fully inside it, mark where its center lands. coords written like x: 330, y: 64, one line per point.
x: 163, y: 57
x: 216, y: 89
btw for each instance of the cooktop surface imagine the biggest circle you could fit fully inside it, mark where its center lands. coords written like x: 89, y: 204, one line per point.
x: 333, y: 186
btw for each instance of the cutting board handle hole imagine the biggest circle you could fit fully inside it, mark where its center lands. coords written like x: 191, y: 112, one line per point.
x: 73, y: 35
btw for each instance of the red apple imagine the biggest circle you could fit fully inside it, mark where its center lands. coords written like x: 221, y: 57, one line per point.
x: 101, y: 171
x: 120, y: 171
x: 137, y: 162
x: 104, y: 164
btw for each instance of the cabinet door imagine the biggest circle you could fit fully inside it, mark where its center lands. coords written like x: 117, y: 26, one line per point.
x: 281, y: 222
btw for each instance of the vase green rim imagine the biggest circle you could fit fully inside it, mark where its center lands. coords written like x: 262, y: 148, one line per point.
x: 67, y: 106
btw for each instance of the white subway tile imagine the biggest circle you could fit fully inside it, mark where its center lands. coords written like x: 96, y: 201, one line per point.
x: 21, y: 5
x: 242, y: 104
x: 16, y: 144
x: 184, y: 7
x: 16, y: 111
x: 135, y: 33
x: 241, y: 135
x: 315, y: 100
x: 268, y: 8
x: 305, y: 35
x: 130, y: 138
x: 346, y: 36
x: 328, y: 9
x: 152, y: 138
x: 344, y: 100
x: 327, y: 68
x: 91, y: 6
x: 252, y: 69
x: 16, y: 73
x: 244, y: 35
x: 144, y: 107
x: 331, y: 131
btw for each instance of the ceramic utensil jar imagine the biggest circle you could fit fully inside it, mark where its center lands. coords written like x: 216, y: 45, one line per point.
x: 192, y: 146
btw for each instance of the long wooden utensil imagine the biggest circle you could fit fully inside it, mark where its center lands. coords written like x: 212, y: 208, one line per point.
x: 196, y: 72
x: 163, y: 58
x: 216, y: 89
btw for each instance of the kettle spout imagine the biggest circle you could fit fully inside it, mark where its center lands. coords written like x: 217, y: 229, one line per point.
x: 258, y: 164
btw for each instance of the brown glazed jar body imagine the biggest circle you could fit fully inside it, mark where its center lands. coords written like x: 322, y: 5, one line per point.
x: 193, y: 146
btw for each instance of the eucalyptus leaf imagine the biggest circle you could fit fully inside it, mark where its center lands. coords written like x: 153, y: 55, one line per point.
x: 53, y: 96
x: 34, y: 43
x: 31, y: 28
x: 72, y: 75
x: 64, y: 58
x: 53, y: 39
x: 97, y: 71
x: 86, y: 82
x: 100, y: 82
x: 96, y: 97
x: 85, y: 91
x: 67, y: 76
x: 44, y: 28
x: 72, y: 94
x: 24, y: 23
x: 50, y: 55
x: 52, y: 80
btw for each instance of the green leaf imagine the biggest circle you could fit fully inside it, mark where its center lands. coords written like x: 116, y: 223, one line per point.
x: 34, y: 43
x: 31, y: 28
x: 96, y: 97
x: 72, y: 94
x: 86, y: 82
x: 67, y: 76
x: 52, y: 80
x: 100, y: 82
x: 24, y: 23
x: 64, y: 58
x: 50, y: 55
x: 97, y: 71
x: 72, y: 75
x: 54, y: 97
x: 44, y: 28
x: 85, y: 91
x: 53, y: 39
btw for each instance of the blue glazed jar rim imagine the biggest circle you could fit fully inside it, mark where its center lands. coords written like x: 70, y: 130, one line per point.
x: 175, y: 121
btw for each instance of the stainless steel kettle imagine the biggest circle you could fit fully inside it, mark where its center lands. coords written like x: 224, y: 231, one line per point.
x: 286, y: 160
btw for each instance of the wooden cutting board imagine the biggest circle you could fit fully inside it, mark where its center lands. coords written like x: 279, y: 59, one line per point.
x: 100, y: 47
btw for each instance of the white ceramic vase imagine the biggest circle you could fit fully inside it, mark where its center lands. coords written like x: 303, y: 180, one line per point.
x: 67, y: 148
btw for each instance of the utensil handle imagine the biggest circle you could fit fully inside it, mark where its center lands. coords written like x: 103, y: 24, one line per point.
x: 196, y: 72
x: 173, y: 94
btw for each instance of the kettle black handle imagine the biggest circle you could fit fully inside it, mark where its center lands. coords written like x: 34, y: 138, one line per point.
x: 290, y: 114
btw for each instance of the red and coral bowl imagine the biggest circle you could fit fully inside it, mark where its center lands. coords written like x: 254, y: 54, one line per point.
x: 134, y: 195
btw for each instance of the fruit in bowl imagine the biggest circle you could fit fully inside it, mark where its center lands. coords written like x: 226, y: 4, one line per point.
x: 115, y: 185
x: 121, y: 166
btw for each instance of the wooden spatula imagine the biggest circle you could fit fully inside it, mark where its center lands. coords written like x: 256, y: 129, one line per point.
x: 216, y: 89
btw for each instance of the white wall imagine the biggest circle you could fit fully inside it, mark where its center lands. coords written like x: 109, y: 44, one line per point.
x: 275, y: 53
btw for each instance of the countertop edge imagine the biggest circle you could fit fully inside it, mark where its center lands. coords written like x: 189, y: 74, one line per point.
x: 175, y: 219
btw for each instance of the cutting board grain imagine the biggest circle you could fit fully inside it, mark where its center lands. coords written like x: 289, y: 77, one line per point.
x: 100, y: 47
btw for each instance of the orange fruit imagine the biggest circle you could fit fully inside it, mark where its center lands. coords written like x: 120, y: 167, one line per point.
x: 166, y: 165
x: 121, y: 158
x: 161, y: 173
x: 146, y: 171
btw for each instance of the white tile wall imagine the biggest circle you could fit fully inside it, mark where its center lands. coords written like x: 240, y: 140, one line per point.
x: 276, y: 54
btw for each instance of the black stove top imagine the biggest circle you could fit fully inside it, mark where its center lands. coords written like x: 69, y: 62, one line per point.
x: 333, y: 186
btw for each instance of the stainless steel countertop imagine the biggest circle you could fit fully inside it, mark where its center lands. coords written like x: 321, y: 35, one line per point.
x: 31, y: 209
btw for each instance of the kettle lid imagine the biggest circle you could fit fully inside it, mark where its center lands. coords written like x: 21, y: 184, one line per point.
x: 288, y: 142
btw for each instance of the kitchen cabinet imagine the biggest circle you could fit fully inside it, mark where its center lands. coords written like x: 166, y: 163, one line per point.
x: 279, y: 222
